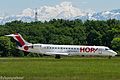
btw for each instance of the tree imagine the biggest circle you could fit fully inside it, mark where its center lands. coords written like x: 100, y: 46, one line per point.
x: 5, y: 46
x: 94, y: 38
x: 115, y: 43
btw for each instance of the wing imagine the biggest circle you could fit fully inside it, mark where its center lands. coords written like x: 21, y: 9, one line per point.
x: 54, y: 53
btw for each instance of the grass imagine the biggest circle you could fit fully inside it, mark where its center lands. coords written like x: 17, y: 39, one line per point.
x: 63, y: 69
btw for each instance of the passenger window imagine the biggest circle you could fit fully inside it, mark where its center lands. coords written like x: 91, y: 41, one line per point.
x: 47, y: 47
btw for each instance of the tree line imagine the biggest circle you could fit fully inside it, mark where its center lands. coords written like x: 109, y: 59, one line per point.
x: 59, y: 31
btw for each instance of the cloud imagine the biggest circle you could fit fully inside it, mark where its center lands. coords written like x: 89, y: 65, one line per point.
x: 64, y: 10
x: 28, y: 12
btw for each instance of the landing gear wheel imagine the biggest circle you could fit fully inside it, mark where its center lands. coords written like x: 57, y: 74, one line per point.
x: 57, y: 57
x: 109, y: 57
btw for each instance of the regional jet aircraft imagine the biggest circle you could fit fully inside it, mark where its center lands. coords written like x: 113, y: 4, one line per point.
x: 58, y: 50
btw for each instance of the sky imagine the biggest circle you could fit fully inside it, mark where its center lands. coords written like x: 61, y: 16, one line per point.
x: 9, y: 7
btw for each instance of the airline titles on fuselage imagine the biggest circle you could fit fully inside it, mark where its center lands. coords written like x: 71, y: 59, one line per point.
x: 81, y: 49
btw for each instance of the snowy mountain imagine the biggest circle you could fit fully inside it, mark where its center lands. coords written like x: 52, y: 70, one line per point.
x: 105, y: 15
x: 63, y: 11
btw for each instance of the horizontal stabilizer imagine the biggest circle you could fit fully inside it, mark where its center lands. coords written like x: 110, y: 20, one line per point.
x: 11, y: 35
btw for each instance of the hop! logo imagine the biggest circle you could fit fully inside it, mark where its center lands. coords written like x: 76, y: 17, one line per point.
x: 87, y: 49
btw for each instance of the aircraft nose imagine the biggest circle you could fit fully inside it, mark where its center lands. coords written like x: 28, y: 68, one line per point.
x: 113, y: 52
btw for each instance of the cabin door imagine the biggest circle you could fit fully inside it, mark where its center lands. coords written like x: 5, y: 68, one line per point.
x: 99, y: 51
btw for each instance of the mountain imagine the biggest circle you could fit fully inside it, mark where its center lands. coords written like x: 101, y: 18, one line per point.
x: 65, y: 10
x: 105, y: 15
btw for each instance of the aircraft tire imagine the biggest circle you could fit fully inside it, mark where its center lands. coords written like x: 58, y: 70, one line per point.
x: 109, y: 57
x: 57, y: 57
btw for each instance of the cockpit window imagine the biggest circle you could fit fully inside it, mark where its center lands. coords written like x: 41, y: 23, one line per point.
x: 107, y: 49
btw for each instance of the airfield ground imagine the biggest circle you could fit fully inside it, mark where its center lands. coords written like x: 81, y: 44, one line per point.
x: 63, y: 69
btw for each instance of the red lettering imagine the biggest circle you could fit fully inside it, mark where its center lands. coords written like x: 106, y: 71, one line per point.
x: 95, y: 50
x: 87, y: 49
x: 82, y: 49
x: 92, y: 50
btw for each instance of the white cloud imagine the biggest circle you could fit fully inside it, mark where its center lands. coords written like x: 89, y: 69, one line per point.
x: 64, y: 10
x: 27, y: 12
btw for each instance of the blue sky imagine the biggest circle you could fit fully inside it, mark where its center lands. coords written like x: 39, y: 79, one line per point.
x: 16, y: 6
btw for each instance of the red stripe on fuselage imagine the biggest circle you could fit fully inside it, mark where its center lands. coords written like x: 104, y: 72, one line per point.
x: 20, y: 40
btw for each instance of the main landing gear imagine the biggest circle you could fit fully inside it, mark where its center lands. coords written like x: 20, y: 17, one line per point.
x: 57, y: 57
x: 109, y: 57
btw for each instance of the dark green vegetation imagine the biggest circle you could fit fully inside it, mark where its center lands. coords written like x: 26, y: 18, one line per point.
x: 63, y: 69
x: 104, y: 33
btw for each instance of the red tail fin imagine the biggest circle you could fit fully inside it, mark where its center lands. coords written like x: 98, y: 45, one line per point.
x: 19, y: 40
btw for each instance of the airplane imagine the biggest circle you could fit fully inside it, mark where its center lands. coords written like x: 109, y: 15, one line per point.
x: 61, y: 50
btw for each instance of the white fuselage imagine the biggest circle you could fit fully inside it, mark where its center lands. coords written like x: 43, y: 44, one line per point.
x: 50, y: 49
